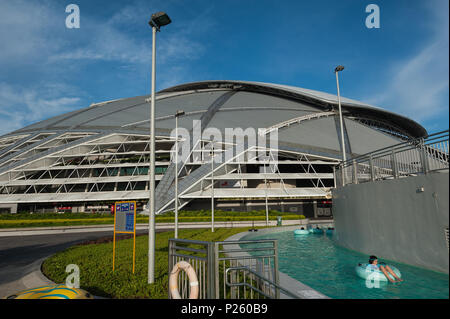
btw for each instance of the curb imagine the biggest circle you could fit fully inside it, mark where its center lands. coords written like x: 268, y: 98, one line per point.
x: 36, y: 278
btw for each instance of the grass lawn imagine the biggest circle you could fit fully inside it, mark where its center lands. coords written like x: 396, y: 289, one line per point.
x: 77, y: 219
x: 95, y: 263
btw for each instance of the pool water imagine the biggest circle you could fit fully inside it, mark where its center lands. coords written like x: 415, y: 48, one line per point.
x: 318, y: 262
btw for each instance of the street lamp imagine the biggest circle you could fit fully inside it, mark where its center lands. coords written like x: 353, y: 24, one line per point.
x: 267, y: 206
x: 337, y: 70
x: 178, y: 114
x: 212, y: 185
x: 157, y: 20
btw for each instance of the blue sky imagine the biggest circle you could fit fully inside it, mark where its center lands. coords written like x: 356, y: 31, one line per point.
x: 47, y: 69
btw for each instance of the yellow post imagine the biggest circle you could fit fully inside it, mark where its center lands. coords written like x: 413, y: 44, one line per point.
x: 134, y: 237
x: 114, y: 249
x: 114, y: 237
x: 125, y: 232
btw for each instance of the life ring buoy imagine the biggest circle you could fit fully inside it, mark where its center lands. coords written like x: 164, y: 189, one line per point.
x: 193, y: 281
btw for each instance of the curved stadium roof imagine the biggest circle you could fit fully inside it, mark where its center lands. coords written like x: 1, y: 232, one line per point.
x: 233, y: 104
x: 195, y: 98
x: 48, y: 161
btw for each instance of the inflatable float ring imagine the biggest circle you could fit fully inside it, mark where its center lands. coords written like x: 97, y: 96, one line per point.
x: 365, y: 272
x: 193, y: 281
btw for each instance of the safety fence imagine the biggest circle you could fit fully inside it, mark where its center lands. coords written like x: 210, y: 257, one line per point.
x: 411, y: 158
x: 229, y: 269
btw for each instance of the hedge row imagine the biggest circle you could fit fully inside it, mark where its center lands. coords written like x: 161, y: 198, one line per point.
x: 19, y: 223
x: 35, y: 216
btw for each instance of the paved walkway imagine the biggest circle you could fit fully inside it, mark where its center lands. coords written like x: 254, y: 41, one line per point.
x: 21, y: 258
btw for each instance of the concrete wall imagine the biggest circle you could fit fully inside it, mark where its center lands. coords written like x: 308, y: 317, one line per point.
x: 403, y: 219
x: 9, y: 208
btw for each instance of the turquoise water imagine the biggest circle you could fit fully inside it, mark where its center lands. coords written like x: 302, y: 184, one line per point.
x: 319, y: 263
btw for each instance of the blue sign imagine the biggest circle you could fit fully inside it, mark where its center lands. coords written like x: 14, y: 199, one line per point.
x: 125, y: 217
x: 124, y: 222
x: 130, y: 222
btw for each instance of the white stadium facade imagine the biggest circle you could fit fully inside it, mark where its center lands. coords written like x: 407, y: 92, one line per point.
x: 87, y: 159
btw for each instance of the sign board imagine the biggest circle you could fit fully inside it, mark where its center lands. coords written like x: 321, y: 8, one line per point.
x: 124, y: 220
x: 125, y: 223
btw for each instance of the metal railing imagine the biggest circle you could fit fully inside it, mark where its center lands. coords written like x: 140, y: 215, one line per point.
x: 229, y: 269
x: 257, y: 256
x: 200, y: 254
x: 262, y: 285
x: 414, y: 157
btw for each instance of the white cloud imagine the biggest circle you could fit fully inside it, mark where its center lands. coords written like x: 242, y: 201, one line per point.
x: 29, y: 32
x: 37, y: 44
x: 20, y: 107
x: 25, y: 29
x: 110, y: 40
x: 418, y: 87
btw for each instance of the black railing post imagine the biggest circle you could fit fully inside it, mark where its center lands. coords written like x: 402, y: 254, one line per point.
x: 211, y: 283
x: 372, y: 171
x: 170, y: 264
x: 424, y: 157
x: 275, y: 266
x: 355, y: 172
x: 394, y: 165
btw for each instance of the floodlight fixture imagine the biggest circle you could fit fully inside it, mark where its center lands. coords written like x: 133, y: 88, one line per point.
x: 159, y: 20
x: 339, y: 68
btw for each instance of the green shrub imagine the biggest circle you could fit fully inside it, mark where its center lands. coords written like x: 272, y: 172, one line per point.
x: 77, y: 219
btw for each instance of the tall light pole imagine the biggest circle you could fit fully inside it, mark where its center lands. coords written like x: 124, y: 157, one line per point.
x: 157, y: 20
x: 179, y: 113
x: 337, y: 70
x: 212, y: 185
x: 267, y: 206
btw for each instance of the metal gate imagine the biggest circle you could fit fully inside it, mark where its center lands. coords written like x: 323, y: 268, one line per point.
x: 230, y: 269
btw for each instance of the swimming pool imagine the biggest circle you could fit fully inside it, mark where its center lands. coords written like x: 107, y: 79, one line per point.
x: 318, y: 262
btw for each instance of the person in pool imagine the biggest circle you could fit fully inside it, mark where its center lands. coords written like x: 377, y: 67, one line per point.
x: 385, y: 269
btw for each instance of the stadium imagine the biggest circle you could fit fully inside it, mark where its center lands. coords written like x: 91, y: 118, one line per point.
x: 85, y: 160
